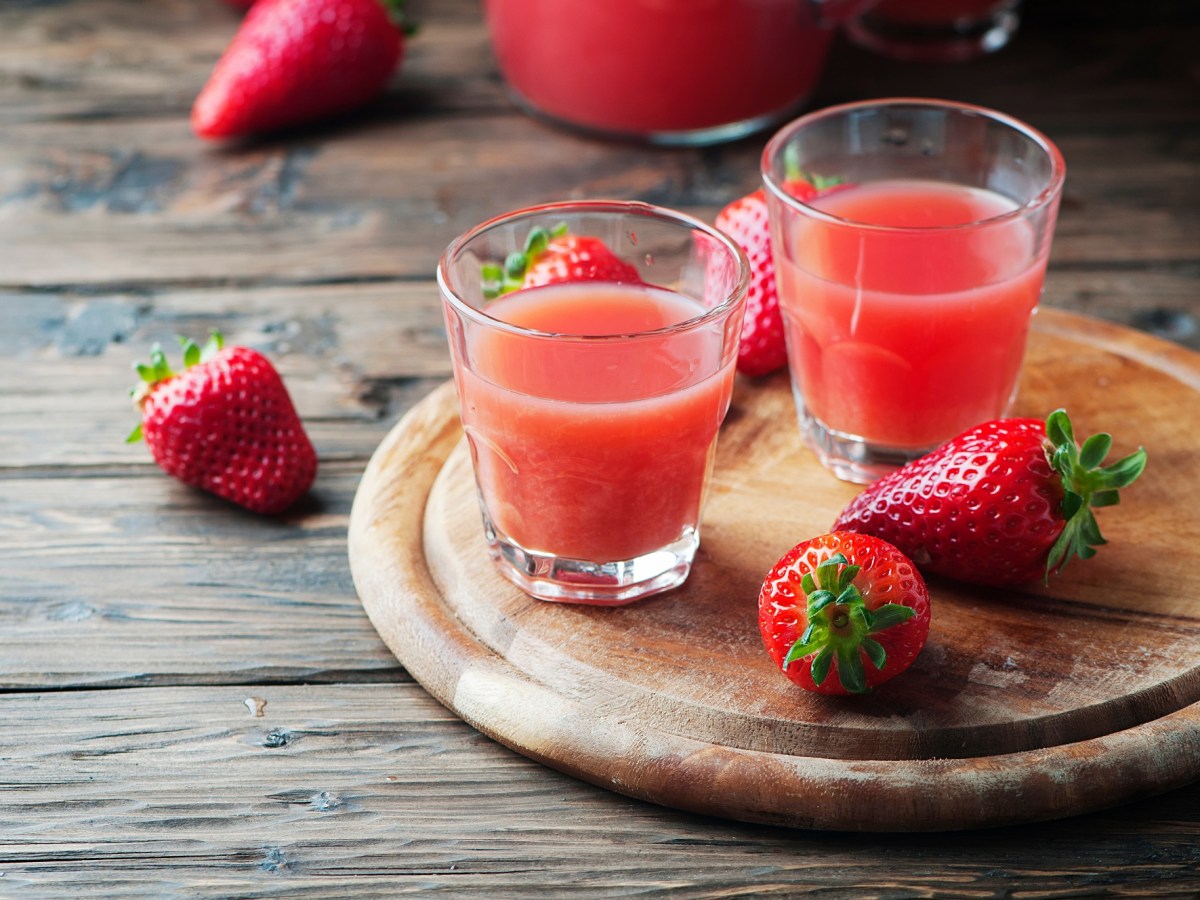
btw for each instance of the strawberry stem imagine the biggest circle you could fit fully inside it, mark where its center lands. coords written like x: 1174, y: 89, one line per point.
x: 793, y: 171
x: 1086, y: 485
x: 840, y: 625
x: 504, y: 279
x: 160, y: 370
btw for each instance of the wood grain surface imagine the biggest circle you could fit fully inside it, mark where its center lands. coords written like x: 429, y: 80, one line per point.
x: 1026, y: 703
x: 137, y: 617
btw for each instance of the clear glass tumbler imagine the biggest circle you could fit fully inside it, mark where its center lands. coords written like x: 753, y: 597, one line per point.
x: 592, y: 407
x: 936, y: 30
x: 907, y: 278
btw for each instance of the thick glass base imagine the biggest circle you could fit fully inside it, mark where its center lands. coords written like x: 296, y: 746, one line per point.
x: 849, y: 457
x: 956, y: 41
x: 562, y: 580
x: 695, y: 137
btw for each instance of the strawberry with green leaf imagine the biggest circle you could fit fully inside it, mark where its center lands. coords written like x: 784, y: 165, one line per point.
x: 1007, y: 502
x: 842, y: 613
x: 226, y: 425
x: 553, y: 256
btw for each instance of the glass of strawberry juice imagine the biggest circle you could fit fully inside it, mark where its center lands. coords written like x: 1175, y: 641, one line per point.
x: 908, y: 282
x: 591, y: 407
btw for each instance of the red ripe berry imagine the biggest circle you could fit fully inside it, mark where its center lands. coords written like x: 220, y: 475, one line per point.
x: 554, y: 256
x: 295, y: 61
x: 762, y: 349
x: 843, y: 613
x: 1004, y: 503
x: 226, y: 425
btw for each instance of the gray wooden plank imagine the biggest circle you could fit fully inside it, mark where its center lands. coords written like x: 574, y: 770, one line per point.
x: 375, y: 790
x: 212, y: 594
x: 119, y: 202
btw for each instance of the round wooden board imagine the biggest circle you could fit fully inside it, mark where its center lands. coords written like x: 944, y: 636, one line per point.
x: 1025, y: 704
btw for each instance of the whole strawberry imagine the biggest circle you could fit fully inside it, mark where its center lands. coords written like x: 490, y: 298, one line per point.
x: 762, y: 349
x: 295, y: 61
x: 1005, y: 503
x: 225, y: 425
x: 847, y: 603
x: 553, y: 256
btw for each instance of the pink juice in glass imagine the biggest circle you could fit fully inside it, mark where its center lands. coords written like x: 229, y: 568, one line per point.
x: 661, y: 67
x: 590, y: 448
x: 906, y: 335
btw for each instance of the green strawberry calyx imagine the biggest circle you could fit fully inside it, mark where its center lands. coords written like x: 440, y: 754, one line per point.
x: 499, y: 279
x: 841, y: 626
x: 794, y: 172
x: 1086, y: 484
x: 159, y: 370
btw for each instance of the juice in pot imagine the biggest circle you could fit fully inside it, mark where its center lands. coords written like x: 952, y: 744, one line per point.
x: 671, y: 71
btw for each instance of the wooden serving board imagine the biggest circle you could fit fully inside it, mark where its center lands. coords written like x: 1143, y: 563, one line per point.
x: 1025, y: 704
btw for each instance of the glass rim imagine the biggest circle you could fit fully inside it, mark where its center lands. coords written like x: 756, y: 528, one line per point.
x: 623, y: 207
x: 1046, y: 196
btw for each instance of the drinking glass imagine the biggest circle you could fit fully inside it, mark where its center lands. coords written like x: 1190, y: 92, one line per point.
x: 908, y: 276
x: 592, y: 407
x: 936, y: 30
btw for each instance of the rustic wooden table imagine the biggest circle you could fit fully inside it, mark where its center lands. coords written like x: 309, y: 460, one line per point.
x: 192, y: 701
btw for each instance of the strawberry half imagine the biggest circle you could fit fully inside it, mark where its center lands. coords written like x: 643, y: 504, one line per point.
x: 226, y: 425
x: 295, y: 61
x: 553, y: 256
x: 1004, y: 503
x: 848, y: 603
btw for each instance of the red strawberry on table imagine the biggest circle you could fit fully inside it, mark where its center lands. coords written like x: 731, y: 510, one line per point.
x: 1007, y: 502
x: 553, y: 256
x: 225, y: 425
x: 295, y: 61
x: 762, y: 349
x: 843, y: 613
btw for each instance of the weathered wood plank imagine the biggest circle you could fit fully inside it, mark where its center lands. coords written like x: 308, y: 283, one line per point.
x: 142, y: 202
x: 151, y: 582
x: 373, y: 791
